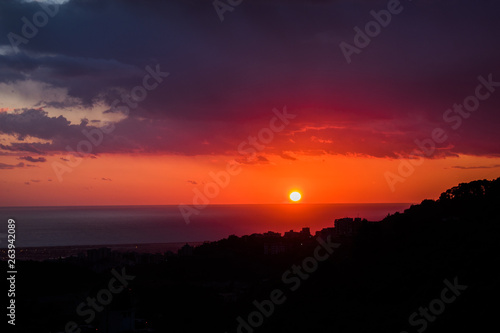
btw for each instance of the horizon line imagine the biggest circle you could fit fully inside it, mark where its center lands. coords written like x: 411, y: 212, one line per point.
x: 223, y: 204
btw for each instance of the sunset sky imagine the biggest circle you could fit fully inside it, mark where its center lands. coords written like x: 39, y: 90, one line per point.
x: 161, y: 97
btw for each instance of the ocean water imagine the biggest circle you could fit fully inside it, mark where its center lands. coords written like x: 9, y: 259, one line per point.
x: 103, y: 225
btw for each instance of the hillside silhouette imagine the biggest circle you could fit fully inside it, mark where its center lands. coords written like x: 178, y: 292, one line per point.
x: 374, y: 281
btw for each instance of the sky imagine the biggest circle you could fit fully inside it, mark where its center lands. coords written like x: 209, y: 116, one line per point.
x: 107, y: 102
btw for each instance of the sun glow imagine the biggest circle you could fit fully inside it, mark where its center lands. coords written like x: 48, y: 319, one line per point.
x: 295, y: 196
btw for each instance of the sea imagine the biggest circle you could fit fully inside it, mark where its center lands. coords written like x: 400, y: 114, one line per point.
x: 107, y: 225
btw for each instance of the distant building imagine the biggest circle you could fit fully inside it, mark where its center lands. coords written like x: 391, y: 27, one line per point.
x: 347, y: 226
x: 325, y: 232
x: 306, y: 232
x: 271, y: 234
x: 292, y: 234
x: 186, y: 250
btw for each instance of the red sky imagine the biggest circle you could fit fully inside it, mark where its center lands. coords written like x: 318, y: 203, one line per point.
x: 159, y: 95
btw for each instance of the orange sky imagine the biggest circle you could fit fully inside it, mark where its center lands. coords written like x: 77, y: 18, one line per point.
x: 186, y: 93
x: 157, y: 180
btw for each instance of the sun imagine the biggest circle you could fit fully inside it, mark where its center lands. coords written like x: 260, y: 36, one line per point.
x: 295, y: 196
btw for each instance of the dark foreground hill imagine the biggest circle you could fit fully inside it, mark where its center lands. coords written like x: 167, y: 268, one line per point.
x: 391, y: 273
x: 432, y: 268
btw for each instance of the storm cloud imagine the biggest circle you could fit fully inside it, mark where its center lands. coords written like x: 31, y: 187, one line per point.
x: 226, y: 77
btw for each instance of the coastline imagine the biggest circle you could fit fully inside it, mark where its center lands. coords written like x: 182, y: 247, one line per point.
x: 41, y: 253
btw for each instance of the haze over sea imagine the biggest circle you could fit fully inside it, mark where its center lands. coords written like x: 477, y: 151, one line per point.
x: 106, y: 225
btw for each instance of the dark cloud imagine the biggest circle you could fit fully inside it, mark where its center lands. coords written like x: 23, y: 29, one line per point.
x: 252, y: 159
x: 139, y: 135
x: 32, y: 159
x: 34, y: 123
x: 475, y: 167
x: 226, y: 77
x: 21, y: 147
x: 4, y: 166
x: 84, y: 78
x: 287, y: 156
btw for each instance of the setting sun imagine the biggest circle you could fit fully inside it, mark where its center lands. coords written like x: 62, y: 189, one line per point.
x: 295, y: 196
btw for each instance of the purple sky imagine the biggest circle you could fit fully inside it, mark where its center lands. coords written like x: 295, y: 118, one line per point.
x: 226, y: 77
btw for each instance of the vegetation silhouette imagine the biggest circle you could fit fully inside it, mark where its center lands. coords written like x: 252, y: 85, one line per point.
x: 373, y: 282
